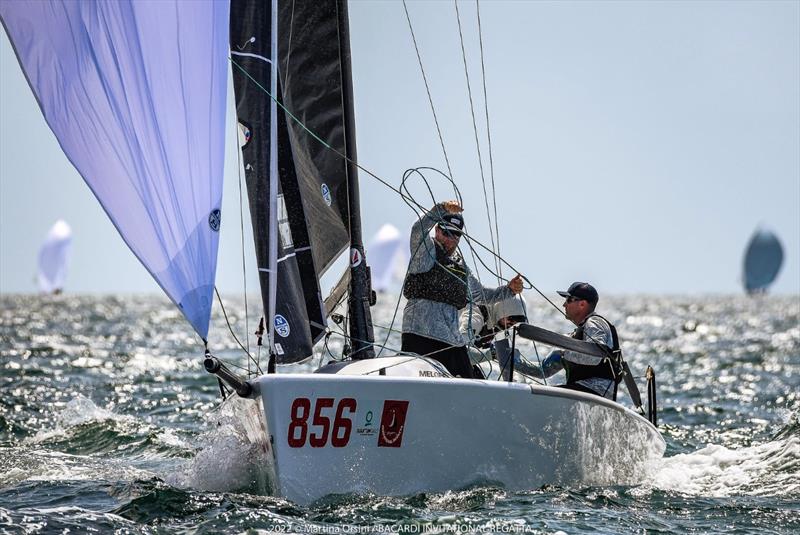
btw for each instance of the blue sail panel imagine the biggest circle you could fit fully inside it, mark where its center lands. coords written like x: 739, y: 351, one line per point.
x: 762, y: 261
x: 135, y: 93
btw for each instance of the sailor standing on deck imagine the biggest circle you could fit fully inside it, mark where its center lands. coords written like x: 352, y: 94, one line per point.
x: 438, y: 284
x: 586, y: 373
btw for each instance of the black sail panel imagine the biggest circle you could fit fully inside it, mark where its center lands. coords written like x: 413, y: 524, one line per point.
x: 311, y: 76
x: 251, y: 52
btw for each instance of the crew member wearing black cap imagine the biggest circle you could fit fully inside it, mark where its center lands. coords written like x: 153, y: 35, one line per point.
x: 586, y: 373
x: 438, y: 284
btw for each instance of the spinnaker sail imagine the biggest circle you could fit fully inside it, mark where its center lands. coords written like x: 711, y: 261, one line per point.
x: 135, y: 93
x: 54, y: 258
x: 297, y: 186
x: 762, y: 261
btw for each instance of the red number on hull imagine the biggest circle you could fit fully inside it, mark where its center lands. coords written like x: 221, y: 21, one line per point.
x: 299, y: 422
x: 338, y: 432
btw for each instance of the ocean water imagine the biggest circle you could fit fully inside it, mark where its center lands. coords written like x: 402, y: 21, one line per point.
x: 108, y: 423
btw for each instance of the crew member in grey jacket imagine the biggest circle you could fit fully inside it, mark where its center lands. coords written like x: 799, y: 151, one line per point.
x: 438, y: 284
x: 586, y: 373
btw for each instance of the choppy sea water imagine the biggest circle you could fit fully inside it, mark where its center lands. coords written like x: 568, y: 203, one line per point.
x: 109, y: 423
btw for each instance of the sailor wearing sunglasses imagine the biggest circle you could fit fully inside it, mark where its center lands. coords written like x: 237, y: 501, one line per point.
x: 438, y: 285
x: 586, y: 373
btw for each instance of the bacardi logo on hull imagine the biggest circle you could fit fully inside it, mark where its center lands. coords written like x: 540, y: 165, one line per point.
x: 393, y: 423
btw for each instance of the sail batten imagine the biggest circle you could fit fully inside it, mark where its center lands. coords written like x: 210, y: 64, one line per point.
x: 135, y: 93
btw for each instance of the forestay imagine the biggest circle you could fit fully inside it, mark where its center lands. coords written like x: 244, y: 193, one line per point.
x: 135, y: 93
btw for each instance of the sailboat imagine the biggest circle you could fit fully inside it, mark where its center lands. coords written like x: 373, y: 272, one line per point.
x: 135, y: 93
x: 388, y: 258
x: 762, y: 261
x: 54, y: 258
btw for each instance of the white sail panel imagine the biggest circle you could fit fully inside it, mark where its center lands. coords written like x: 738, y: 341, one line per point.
x: 54, y: 258
x: 135, y: 94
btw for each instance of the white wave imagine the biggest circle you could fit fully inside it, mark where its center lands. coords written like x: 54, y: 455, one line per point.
x: 77, y: 411
x: 717, y: 471
x: 232, y: 455
x: 168, y: 437
x: 40, y: 465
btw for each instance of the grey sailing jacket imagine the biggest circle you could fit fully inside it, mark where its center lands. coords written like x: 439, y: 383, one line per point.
x: 433, y: 319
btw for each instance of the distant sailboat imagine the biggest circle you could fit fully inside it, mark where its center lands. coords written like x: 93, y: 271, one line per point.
x: 762, y: 261
x: 388, y: 256
x: 54, y: 258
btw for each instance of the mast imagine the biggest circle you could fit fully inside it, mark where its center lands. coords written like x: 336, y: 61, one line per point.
x: 360, y: 293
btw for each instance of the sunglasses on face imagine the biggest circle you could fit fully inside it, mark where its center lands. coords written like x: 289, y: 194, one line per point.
x: 572, y: 299
x: 451, y: 235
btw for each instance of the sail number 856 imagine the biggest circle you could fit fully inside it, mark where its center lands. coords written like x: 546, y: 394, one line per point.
x: 322, y: 427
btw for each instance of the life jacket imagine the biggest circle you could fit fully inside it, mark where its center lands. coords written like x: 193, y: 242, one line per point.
x: 445, y: 282
x: 609, y: 368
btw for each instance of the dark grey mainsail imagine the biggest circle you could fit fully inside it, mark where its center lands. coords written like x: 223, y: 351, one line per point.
x: 762, y: 261
x: 297, y: 186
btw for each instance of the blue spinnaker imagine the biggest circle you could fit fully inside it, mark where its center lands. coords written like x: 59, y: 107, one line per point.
x: 762, y: 261
x: 135, y: 92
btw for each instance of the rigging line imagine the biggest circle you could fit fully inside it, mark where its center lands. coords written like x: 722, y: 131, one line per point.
x: 316, y: 137
x: 407, y: 195
x: 230, y: 328
x: 475, y: 130
x: 539, y: 360
x: 244, y: 263
x: 417, y: 170
x: 471, y: 240
x: 408, y: 199
x: 427, y: 89
x: 391, y: 329
x: 488, y: 132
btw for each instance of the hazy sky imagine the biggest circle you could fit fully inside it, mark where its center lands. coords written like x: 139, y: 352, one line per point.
x: 636, y: 145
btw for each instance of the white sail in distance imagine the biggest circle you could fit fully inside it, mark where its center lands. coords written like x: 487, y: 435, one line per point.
x: 54, y: 258
x: 388, y: 257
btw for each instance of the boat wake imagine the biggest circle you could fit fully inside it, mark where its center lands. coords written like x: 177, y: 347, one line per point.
x: 768, y: 469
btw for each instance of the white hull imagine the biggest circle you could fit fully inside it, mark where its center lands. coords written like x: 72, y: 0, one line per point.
x: 425, y: 434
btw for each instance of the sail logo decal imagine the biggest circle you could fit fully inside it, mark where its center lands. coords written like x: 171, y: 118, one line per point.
x: 282, y: 326
x: 355, y: 257
x: 245, y: 134
x: 367, y: 429
x: 215, y: 219
x: 393, y: 423
x: 326, y: 194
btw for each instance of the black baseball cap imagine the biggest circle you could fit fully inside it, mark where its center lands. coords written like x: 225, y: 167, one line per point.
x: 452, y: 223
x: 581, y: 290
